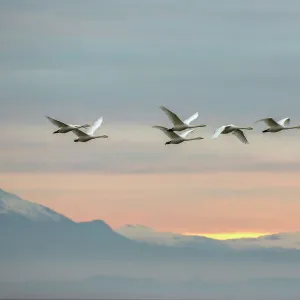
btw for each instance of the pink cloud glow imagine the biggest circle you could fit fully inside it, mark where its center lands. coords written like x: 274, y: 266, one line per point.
x: 210, y: 203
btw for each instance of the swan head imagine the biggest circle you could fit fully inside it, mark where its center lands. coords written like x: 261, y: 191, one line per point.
x: 57, y: 131
x: 77, y: 140
x: 264, y: 131
x: 168, y: 143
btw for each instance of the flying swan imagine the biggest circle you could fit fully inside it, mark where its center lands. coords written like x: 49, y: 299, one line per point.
x: 177, y: 138
x: 179, y: 125
x: 237, y: 131
x: 89, y: 135
x: 274, y: 126
x: 63, y: 127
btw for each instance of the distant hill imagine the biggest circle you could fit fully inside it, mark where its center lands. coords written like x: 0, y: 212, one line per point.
x: 29, y: 230
x: 146, y: 234
x: 288, y: 240
x: 151, y: 236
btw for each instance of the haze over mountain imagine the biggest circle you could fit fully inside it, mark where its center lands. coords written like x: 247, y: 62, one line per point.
x: 45, y: 253
x: 288, y: 240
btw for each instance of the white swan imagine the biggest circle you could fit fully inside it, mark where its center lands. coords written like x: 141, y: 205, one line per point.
x: 178, y: 124
x: 89, y: 135
x: 237, y: 131
x: 63, y: 127
x: 177, y: 138
x: 274, y: 126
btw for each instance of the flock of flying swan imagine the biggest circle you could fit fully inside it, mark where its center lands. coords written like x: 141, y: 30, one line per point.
x: 82, y: 136
x: 86, y: 132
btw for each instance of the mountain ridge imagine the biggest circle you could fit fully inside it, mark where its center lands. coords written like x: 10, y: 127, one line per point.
x: 12, y: 204
x: 286, y: 240
x: 68, y: 251
x: 63, y: 238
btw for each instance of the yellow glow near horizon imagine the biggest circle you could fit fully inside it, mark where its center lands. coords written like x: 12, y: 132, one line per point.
x: 231, y: 235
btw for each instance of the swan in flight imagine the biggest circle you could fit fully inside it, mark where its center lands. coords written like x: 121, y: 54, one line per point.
x: 274, y: 126
x: 89, y: 134
x: 63, y: 127
x: 177, y: 138
x: 237, y: 131
x: 178, y: 124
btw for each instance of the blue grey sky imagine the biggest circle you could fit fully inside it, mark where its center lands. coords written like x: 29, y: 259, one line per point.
x: 232, y: 61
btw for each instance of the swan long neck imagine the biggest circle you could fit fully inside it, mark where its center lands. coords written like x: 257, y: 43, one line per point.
x: 100, y: 136
x: 246, y: 128
x: 193, y: 139
x: 291, y: 127
x: 196, y: 126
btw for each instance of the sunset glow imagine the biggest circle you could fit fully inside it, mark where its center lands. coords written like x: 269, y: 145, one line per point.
x: 231, y: 235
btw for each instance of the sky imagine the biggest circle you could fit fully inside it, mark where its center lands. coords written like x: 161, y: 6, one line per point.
x: 233, y: 62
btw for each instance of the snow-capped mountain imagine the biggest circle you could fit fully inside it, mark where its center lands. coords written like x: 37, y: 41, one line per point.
x: 142, y: 233
x: 151, y: 236
x: 12, y: 205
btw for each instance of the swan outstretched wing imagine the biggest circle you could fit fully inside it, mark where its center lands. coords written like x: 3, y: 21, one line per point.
x: 191, y: 119
x: 218, y: 132
x: 170, y: 134
x: 57, y: 123
x: 240, y: 135
x: 284, y: 122
x: 173, y: 117
x: 95, y: 126
x: 269, y: 121
x: 184, y: 134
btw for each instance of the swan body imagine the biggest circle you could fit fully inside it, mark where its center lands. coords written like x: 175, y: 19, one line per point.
x: 237, y: 131
x: 178, y: 124
x: 89, y: 135
x: 64, y: 127
x: 177, y: 138
x: 276, y: 126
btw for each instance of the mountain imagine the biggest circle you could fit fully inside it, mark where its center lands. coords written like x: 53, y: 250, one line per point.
x: 29, y: 230
x: 148, y: 235
x: 12, y: 206
x: 42, y: 252
x: 290, y: 240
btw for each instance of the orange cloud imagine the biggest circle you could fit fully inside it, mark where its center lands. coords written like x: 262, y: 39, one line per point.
x: 210, y: 203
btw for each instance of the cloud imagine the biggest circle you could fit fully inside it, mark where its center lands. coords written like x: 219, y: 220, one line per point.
x: 210, y: 203
x: 227, y: 61
x: 233, y: 62
x: 138, y: 148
